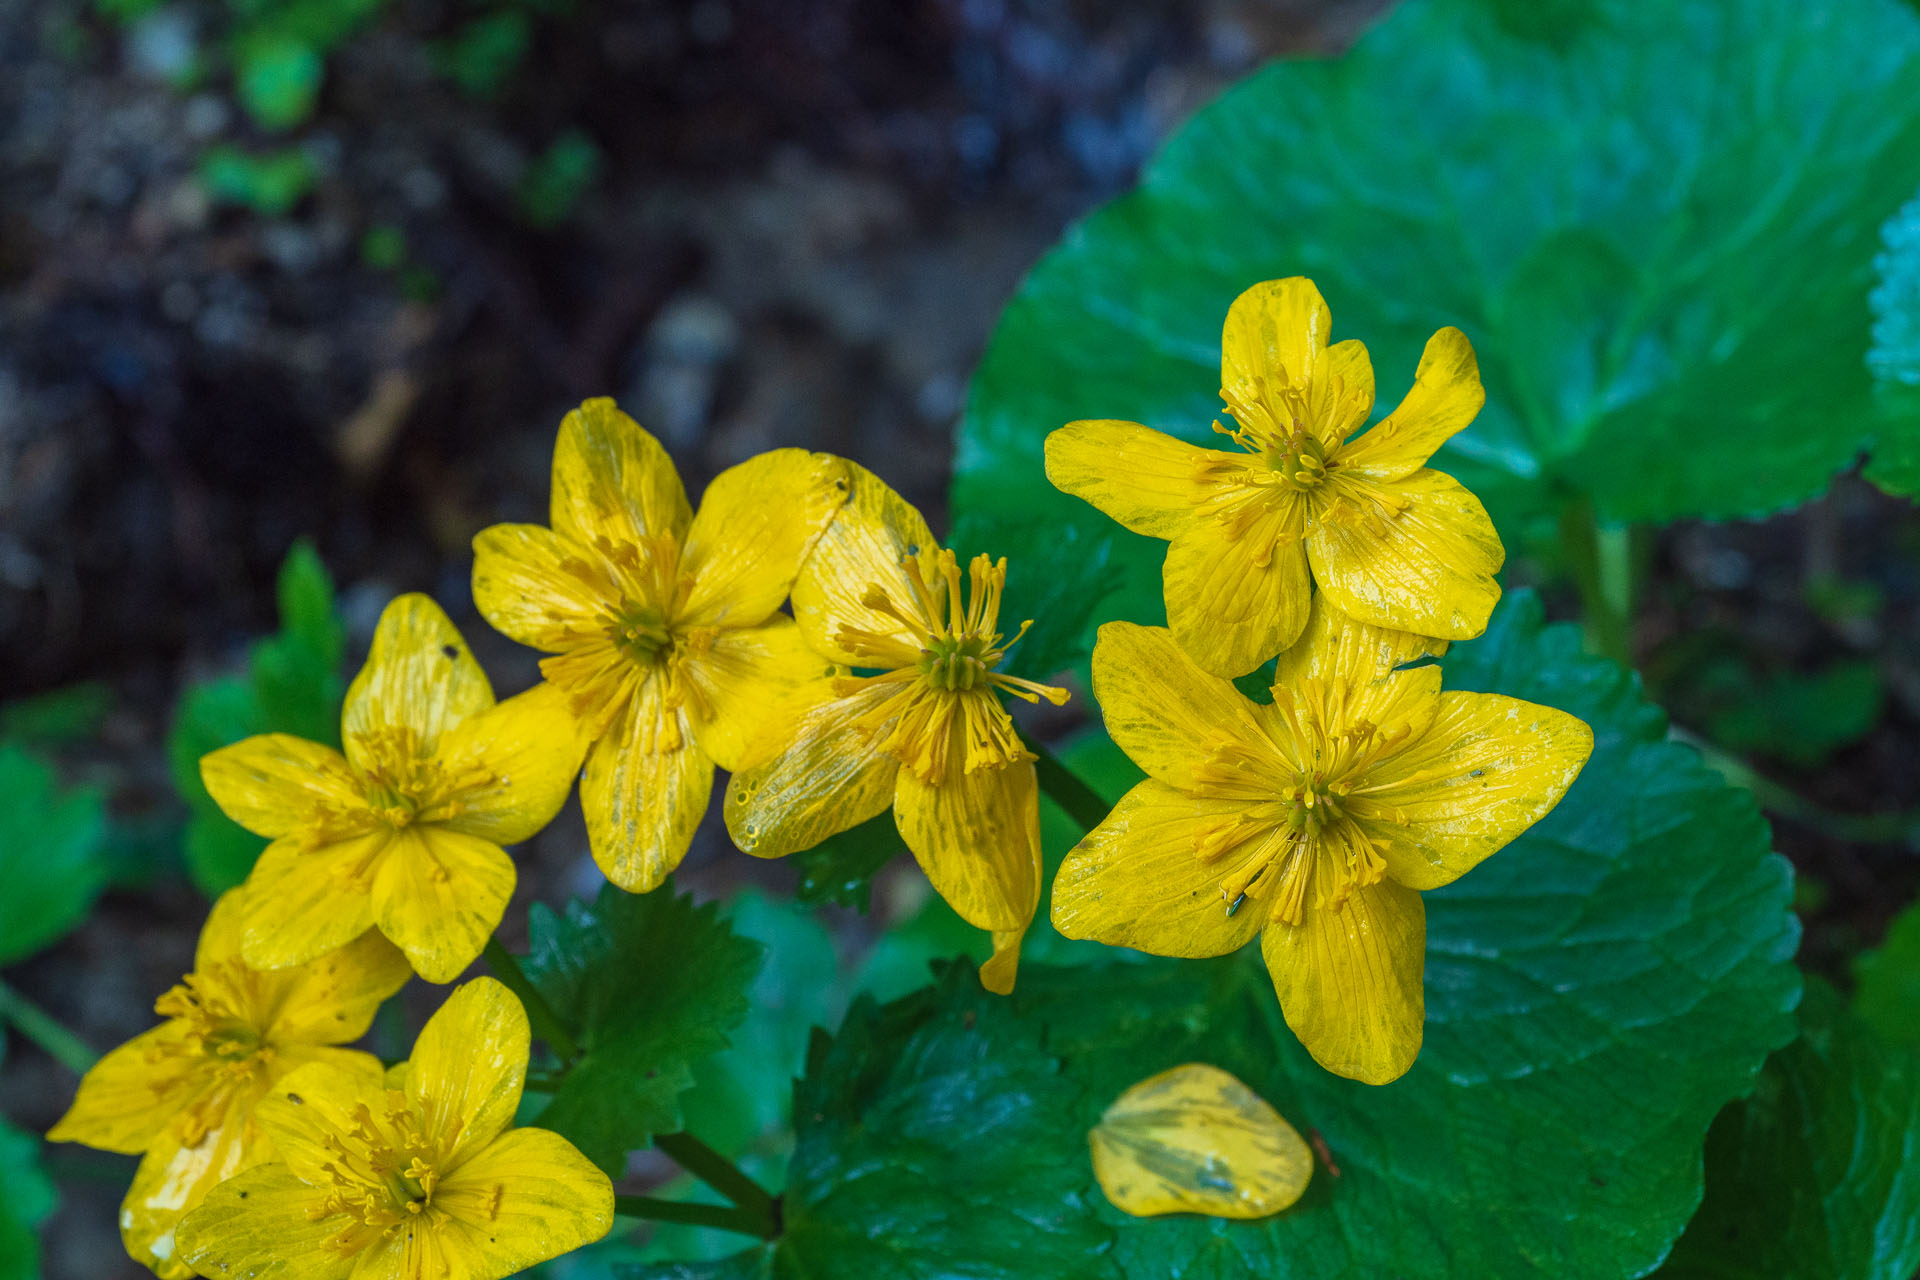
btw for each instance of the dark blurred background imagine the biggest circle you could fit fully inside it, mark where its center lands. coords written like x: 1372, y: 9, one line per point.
x: 343, y: 283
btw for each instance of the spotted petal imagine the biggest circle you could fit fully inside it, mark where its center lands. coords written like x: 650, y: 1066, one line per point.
x: 1137, y: 879
x: 1235, y: 599
x: 861, y: 551
x: 1488, y: 768
x: 420, y: 680
x: 468, y: 1067
x: 1349, y: 980
x: 1145, y: 479
x: 756, y: 523
x: 526, y: 1197
x: 275, y: 784
x: 1170, y: 717
x: 612, y: 482
x: 263, y: 1224
x: 439, y: 896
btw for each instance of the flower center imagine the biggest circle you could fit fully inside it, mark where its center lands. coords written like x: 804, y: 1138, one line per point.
x: 640, y: 632
x: 1296, y: 835
x: 1300, y: 460
x: 382, y: 1174
x: 937, y: 666
x: 402, y: 784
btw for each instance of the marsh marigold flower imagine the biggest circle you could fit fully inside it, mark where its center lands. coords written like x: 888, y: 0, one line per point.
x: 414, y: 1178
x: 182, y: 1096
x: 1313, y: 822
x: 664, y: 626
x: 403, y: 831
x: 1195, y: 1140
x: 1391, y: 541
x: 922, y: 729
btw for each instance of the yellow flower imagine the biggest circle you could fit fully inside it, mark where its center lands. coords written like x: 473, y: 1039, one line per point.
x: 183, y: 1094
x: 1391, y: 541
x: 664, y: 625
x: 926, y: 733
x: 420, y: 1179
x: 402, y: 832
x: 1196, y: 1140
x: 1313, y: 821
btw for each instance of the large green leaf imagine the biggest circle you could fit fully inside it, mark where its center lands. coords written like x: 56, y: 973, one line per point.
x: 50, y: 854
x: 1595, y: 993
x: 648, y: 984
x: 1817, y: 1176
x: 1655, y: 221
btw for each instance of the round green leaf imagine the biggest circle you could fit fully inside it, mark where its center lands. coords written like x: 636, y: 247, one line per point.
x: 1656, y: 222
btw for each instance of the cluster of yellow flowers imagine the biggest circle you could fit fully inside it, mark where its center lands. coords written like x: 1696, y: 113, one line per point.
x: 1313, y: 820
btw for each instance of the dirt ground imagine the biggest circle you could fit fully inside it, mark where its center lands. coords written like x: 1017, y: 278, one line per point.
x: 806, y: 219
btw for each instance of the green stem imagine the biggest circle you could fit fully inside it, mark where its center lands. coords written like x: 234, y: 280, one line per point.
x: 39, y: 1026
x: 718, y: 1172
x: 540, y: 1015
x: 724, y: 1217
x: 1082, y: 803
x: 1601, y: 564
x: 1855, y: 828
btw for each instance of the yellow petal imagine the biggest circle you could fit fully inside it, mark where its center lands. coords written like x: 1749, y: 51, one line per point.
x: 1488, y: 768
x: 175, y: 1175
x: 1137, y: 879
x: 748, y: 682
x: 1445, y: 397
x: 274, y: 784
x: 1234, y: 602
x: 1276, y: 334
x: 862, y: 550
x: 521, y: 757
x: 526, y: 1197
x: 126, y: 1099
x: 439, y: 896
x: 1168, y: 715
x: 757, y: 521
x: 308, y: 1108
x: 1427, y: 567
x: 612, y: 482
x: 1196, y: 1140
x: 527, y: 582
x: 977, y: 836
x: 1335, y: 645
x: 332, y: 1000
x: 1349, y: 980
x: 420, y: 678
x: 262, y: 1224
x: 223, y: 932
x: 647, y: 786
x: 1145, y: 479
x: 828, y: 777
x: 1003, y: 966
x: 1346, y: 396
x: 468, y: 1067
x: 303, y: 903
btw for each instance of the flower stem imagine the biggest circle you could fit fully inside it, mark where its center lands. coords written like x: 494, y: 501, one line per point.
x: 1855, y: 828
x: 1600, y: 561
x: 1082, y: 803
x: 39, y: 1026
x: 545, y: 1022
x: 720, y: 1173
x: 723, y: 1217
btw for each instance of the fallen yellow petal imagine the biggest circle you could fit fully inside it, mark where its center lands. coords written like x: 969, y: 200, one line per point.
x: 1196, y: 1140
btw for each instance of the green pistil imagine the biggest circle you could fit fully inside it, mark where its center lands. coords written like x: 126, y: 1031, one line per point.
x: 956, y: 662
x: 232, y: 1041
x: 1300, y: 460
x: 641, y: 633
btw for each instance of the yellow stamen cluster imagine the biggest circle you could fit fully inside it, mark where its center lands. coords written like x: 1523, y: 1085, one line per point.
x: 211, y: 1009
x: 382, y: 1173
x: 403, y: 784
x: 941, y: 692
x: 1322, y: 752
